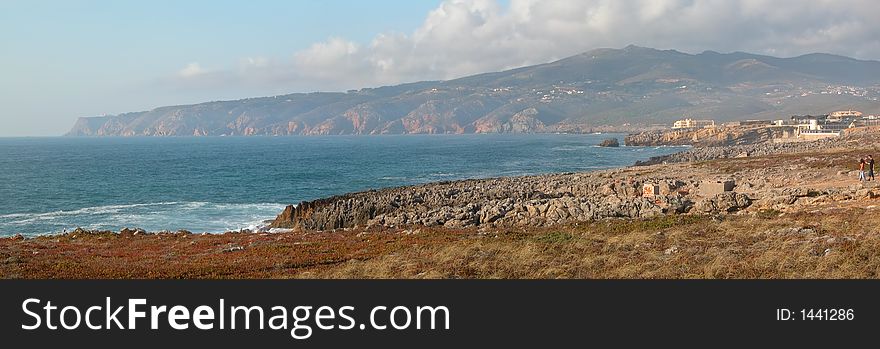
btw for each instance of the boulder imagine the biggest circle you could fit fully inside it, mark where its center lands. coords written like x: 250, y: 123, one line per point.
x: 609, y: 142
x: 866, y: 193
x: 776, y: 202
x: 726, y: 202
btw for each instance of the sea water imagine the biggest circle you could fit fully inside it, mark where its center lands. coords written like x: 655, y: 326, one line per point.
x: 216, y: 184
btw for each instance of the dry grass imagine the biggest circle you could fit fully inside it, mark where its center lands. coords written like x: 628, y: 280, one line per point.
x: 837, y: 160
x: 231, y: 255
x: 761, y: 245
x: 668, y: 247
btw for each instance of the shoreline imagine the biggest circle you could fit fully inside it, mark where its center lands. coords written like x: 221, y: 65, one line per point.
x: 798, y: 213
x: 544, y: 200
x: 285, y: 222
x: 35, y: 224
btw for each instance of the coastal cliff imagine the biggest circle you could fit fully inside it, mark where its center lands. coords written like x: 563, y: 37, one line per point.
x: 704, y: 137
x: 596, y: 91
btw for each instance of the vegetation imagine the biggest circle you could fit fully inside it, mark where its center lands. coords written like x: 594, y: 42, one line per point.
x: 762, y: 245
x: 821, y: 237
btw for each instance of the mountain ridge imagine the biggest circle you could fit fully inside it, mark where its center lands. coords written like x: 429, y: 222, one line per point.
x: 601, y: 89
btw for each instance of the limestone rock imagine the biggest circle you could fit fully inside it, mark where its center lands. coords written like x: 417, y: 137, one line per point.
x: 726, y: 202
x: 609, y: 142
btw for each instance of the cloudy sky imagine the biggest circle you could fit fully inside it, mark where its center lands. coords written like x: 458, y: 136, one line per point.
x: 64, y: 59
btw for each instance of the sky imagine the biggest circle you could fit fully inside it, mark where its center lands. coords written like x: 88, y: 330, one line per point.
x: 60, y: 60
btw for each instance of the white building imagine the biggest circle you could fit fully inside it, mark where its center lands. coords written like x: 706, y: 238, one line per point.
x: 843, y: 114
x: 691, y: 123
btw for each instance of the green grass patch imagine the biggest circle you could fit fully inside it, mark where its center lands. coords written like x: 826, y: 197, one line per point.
x: 651, y: 224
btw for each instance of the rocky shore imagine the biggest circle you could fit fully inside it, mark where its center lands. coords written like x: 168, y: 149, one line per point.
x: 759, y: 149
x: 515, y: 201
x: 679, y: 183
x: 791, y: 211
x: 704, y: 137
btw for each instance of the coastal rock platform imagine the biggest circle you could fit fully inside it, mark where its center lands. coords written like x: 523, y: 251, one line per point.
x: 811, y: 172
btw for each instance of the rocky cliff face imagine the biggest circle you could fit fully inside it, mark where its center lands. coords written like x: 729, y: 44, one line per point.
x: 416, y: 115
x: 704, y: 137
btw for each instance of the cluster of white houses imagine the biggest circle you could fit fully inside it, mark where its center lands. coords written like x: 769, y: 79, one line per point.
x: 798, y: 127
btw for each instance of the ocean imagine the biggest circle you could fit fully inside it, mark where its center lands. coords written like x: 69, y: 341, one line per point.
x: 216, y: 184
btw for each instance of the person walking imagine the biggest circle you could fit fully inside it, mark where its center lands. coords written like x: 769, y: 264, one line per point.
x: 862, y: 170
x: 870, y: 167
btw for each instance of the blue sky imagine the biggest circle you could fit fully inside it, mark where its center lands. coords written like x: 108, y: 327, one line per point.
x: 65, y: 59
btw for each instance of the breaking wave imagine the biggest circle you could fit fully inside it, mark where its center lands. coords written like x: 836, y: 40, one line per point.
x: 196, y: 216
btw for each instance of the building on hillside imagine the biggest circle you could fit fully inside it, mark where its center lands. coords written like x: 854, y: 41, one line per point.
x: 815, y: 127
x: 865, y: 122
x: 844, y: 114
x: 805, y: 119
x: 691, y: 123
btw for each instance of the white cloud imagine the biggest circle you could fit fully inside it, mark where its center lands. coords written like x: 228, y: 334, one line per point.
x: 191, y: 70
x: 462, y: 37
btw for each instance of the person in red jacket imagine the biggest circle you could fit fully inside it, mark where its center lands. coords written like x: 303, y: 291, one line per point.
x: 862, y: 170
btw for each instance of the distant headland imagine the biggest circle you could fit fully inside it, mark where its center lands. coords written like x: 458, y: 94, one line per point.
x: 629, y: 89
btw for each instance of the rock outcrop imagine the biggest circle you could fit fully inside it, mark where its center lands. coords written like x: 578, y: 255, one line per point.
x: 704, y: 137
x: 609, y: 142
x: 752, y: 150
x: 727, y: 202
x: 516, y: 201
